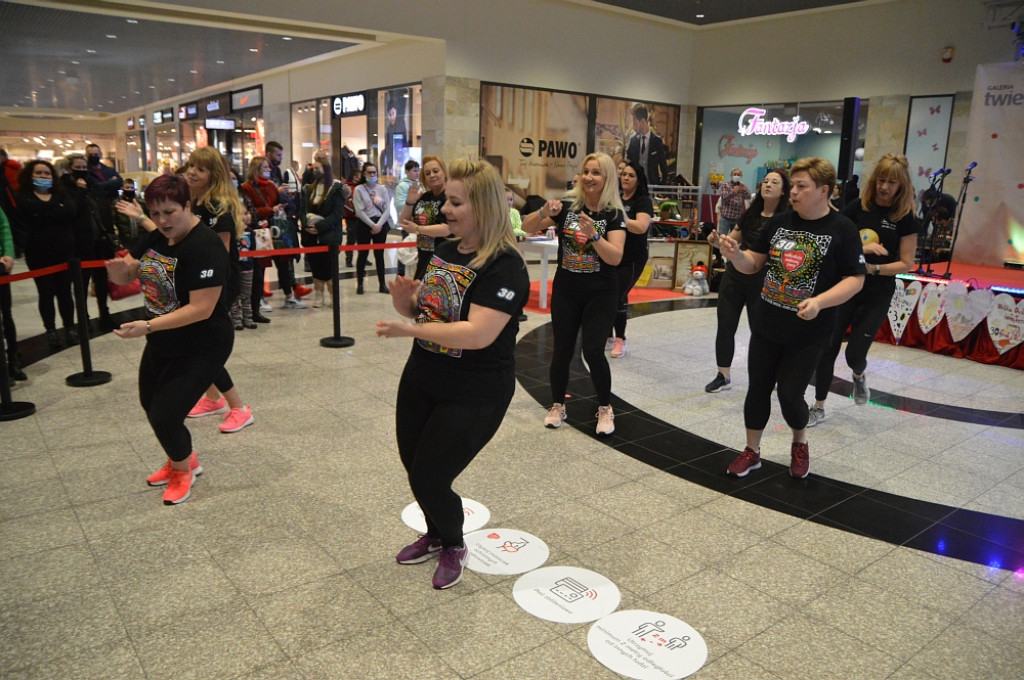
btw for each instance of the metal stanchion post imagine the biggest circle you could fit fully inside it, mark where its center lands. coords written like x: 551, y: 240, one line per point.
x: 10, y: 410
x: 88, y: 377
x: 336, y: 340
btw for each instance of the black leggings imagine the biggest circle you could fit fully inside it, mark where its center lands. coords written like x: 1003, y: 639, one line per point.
x: 351, y: 231
x: 787, y: 364
x: 863, y: 314
x: 439, y: 435
x: 55, y: 287
x: 593, y: 311
x: 422, y: 260
x: 736, y: 291
x: 168, y: 389
x: 285, y: 273
x: 10, y: 332
x: 628, y: 274
x: 365, y: 236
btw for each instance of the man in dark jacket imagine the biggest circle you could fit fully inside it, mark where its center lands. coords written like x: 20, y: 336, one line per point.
x: 103, y: 177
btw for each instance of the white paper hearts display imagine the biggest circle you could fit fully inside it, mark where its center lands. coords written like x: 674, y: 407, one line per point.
x: 902, y: 306
x: 1006, y: 323
x: 931, y: 307
x: 966, y: 310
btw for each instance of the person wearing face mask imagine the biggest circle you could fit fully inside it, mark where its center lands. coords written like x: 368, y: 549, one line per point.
x: 47, y: 216
x: 95, y: 236
x: 732, y: 201
x: 106, y: 179
x: 373, y: 208
x: 739, y: 290
x: 888, y: 231
x: 323, y: 201
x: 262, y: 193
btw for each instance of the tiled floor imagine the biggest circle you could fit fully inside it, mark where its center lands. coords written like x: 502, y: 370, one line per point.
x: 281, y: 564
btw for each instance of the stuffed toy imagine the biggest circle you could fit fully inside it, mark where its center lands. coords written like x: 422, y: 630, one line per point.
x: 697, y: 284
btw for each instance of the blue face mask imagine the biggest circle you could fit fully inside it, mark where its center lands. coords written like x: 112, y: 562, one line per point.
x: 42, y: 184
x: 371, y: 179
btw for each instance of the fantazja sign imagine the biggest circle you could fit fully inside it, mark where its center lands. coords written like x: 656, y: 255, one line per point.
x: 752, y: 122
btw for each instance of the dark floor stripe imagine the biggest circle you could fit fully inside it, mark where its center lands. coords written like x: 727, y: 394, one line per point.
x: 991, y: 540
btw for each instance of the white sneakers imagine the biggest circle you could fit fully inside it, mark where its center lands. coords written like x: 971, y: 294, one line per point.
x: 605, y: 420
x: 555, y: 416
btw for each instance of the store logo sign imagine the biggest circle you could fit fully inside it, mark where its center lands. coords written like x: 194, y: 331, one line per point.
x: 212, y: 106
x: 548, y: 148
x: 752, y: 122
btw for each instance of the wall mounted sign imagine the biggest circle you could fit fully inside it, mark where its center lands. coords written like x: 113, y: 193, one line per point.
x: 348, y: 105
x: 752, y: 122
x: 247, y: 99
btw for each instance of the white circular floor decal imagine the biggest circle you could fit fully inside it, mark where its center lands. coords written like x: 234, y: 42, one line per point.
x: 505, y: 551
x: 566, y: 594
x: 647, y: 645
x: 476, y: 516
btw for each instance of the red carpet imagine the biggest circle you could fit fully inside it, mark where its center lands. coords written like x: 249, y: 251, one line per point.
x: 635, y: 295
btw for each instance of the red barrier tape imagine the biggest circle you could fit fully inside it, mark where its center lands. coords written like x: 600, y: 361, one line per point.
x: 96, y: 264
x: 34, y: 273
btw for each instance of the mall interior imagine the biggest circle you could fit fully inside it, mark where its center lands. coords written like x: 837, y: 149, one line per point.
x: 901, y: 556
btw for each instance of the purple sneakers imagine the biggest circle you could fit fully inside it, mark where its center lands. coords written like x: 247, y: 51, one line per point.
x: 449, y: 570
x: 421, y: 550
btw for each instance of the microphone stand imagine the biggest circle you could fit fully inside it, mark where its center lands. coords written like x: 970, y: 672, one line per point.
x: 936, y: 191
x: 961, y: 200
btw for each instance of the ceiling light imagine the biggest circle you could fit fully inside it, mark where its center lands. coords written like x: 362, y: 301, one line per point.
x: 170, y: 80
x: 75, y: 62
x: 253, y: 49
x: 193, y: 71
x: 152, y: 87
x: 220, y: 61
x: 286, y: 37
x: 111, y: 36
x: 91, y: 51
x: 700, y: 16
x: 132, y: 21
x: 63, y: 73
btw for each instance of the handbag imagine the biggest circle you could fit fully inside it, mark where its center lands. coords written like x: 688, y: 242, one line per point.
x: 408, y: 255
x: 263, y: 238
x: 281, y: 232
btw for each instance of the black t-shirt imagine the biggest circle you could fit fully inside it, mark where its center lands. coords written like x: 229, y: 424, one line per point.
x: 805, y: 258
x: 876, y: 227
x: 425, y: 212
x: 748, y: 237
x: 582, y: 264
x: 223, y: 224
x: 450, y: 286
x: 636, y: 244
x: 169, y: 274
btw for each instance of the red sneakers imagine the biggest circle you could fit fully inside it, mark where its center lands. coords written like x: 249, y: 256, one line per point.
x: 744, y: 463
x: 236, y: 419
x: 160, y: 477
x: 799, y: 460
x: 302, y: 291
x: 208, y: 407
x: 179, y: 486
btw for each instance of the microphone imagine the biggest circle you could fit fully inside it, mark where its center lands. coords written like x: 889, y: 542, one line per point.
x: 941, y: 172
x: 972, y: 166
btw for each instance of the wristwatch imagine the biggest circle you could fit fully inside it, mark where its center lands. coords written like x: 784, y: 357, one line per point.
x: 878, y: 270
x: 597, y: 237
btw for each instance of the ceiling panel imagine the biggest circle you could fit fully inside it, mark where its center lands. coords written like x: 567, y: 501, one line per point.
x: 705, y: 12
x: 62, y: 59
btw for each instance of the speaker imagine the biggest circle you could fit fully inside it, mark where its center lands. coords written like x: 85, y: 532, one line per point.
x: 848, y: 141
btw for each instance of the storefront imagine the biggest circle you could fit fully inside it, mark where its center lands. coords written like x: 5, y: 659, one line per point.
x: 166, y: 141
x: 188, y: 122
x: 137, y: 152
x: 759, y: 137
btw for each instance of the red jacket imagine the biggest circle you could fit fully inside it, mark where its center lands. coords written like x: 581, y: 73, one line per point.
x: 263, y: 197
x: 11, y: 170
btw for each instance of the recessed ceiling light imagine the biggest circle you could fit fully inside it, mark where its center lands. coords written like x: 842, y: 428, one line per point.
x: 137, y: 92
x: 74, y: 62
x: 286, y: 37
x: 49, y: 80
x: 132, y: 21
x: 193, y: 71
x: 91, y: 51
x: 220, y: 61
x: 170, y: 80
x: 253, y: 49
x: 700, y: 16
x: 63, y: 73
x: 152, y: 87
x: 111, y: 36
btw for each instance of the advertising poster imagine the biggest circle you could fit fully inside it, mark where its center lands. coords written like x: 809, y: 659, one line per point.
x: 927, y: 138
x: 535, y: 138
x: 991, y: 230
x: 616, y: 127
x: 394, y: 110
